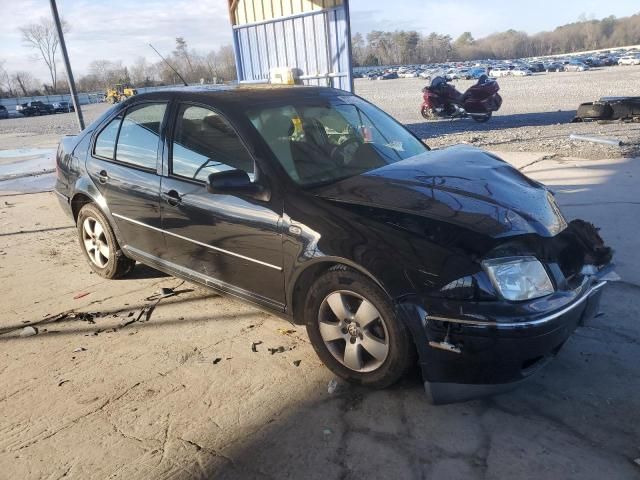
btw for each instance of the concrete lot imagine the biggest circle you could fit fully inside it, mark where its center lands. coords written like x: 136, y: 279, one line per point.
x: 103, y: 396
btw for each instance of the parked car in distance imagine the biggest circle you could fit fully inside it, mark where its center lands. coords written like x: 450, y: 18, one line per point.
x: 63, y: 107
x: 554, y: 67
x: 536, y: 67
x: 498, y: 72
x: 4, y: 113
x: 320, y: 208
x: 35, y: 107
x: 574, y: 66
x: 388, y: 76
x: 629, y: 60
x: 521, y: 72
x: 475, y: 73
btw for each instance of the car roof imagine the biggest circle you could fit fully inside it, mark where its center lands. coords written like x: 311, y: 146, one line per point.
x: 243, y: 95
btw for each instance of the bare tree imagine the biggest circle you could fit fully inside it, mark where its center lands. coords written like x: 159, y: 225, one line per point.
x: 42, y: 36
x: 26, y: 82
x: 6, y: 85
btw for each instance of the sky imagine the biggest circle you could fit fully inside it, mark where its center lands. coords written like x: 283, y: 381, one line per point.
x: 121, y: 29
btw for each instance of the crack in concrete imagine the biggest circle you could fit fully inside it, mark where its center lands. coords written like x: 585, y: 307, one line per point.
x: 167, y: 431
x: 531, y: 411
x: 620, y: 336
x: 208, y: 450
x: 592, y: 204
x: 76, y: 420
x: 542, y: 159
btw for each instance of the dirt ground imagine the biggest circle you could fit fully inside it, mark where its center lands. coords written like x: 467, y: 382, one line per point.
x: 120, y: 382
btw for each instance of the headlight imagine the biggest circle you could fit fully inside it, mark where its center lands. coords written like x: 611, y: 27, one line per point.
x: 518, y: 278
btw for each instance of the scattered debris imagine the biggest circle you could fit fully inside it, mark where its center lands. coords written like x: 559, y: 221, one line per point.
x: 82, y: 316
x: 28, y: 332
x: 333, y: 385
x: 605, y: 141
x: 217, y: 360
x: 80, y: 349
x: 254, y: 345
x: 286, y: 331
x: 297, y: 363
x: 80, y: 295
x: 62, y: 382
x: 279, y: 349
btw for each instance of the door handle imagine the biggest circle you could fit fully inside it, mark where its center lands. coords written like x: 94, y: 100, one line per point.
x: 172, y: 197
x: 103, y: 177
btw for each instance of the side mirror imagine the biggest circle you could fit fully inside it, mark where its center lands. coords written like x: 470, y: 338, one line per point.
x: 236, y: 182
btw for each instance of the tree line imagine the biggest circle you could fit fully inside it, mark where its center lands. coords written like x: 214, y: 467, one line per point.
x: 376, y: 48
x: 195, y: 67
x: 411, y: 47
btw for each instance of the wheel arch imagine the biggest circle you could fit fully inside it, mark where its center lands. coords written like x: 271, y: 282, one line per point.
x: 85, y: 192
x: 308, y: 274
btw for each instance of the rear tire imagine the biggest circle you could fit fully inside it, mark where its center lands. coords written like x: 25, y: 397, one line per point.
x: 483, y: 118
x: 99, y: 244
x: 353, y: 328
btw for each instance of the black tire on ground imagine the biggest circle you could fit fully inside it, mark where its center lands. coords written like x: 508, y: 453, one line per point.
x: 482, y: 118
x: 116, y: 264
x: 401, y: 355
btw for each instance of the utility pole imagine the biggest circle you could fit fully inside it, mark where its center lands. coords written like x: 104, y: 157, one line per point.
x: 349, y: 47
x: 67, y: 65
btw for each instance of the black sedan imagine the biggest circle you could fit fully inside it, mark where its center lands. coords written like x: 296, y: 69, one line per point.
x: 319, y: 207
x: 63, y: 107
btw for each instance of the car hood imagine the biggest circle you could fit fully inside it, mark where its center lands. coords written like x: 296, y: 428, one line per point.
x: 460, y: 185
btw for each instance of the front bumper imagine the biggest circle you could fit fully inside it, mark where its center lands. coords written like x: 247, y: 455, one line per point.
x: 470, y: 355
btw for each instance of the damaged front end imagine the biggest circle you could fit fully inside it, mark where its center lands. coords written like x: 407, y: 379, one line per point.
x: 486, y: 331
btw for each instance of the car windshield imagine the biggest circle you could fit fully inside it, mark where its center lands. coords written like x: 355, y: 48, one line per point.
x: 324, y: 141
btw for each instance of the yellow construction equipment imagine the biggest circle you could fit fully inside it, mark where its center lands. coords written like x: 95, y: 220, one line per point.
x: 119, y: 93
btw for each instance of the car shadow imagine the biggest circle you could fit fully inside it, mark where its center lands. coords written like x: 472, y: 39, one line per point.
x: 143, y: 272
x: 564, y: 422
x: 428, y: 129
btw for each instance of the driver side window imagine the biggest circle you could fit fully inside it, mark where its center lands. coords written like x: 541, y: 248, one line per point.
x: 205, y: 143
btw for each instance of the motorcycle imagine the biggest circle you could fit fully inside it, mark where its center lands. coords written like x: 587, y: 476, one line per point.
x: 442, y: 100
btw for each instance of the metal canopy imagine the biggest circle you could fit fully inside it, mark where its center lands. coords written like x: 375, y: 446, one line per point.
x: 311, y: 35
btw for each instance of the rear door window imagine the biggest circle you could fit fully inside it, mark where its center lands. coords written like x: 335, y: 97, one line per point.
x: 204, y: 143
x: 139, y: 135
x: 106, y: 140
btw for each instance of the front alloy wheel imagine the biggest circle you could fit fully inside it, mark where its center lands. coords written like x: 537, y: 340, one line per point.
x: 353, y: 327
x: 353, y: 331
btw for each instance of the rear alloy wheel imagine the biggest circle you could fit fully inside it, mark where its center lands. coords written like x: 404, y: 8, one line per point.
x: 95, y: 242
x: 354, y: 330
x: 99, y: 244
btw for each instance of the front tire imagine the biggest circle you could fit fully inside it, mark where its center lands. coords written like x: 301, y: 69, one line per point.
x: 353, y: 329
x: 99, y: 244
x: 428, y: 113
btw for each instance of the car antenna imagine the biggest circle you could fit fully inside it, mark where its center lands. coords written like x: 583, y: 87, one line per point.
x: 170, y: 66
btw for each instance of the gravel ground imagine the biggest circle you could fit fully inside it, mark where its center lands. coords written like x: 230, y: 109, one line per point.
x: 535, y: 115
